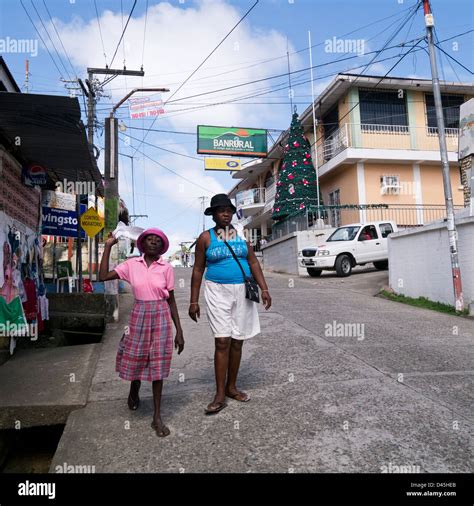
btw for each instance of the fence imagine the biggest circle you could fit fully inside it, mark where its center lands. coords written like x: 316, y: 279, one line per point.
x: 405, y: 216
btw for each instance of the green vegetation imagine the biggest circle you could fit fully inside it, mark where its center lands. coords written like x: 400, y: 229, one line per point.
x: 424, y: 303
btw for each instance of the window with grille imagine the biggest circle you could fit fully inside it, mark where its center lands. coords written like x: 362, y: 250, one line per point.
x: 387, y: 109
x: 450, y: 103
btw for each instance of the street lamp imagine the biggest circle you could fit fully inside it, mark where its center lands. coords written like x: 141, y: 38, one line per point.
x: 111, y: 194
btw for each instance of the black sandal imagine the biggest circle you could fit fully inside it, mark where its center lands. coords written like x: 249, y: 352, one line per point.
x: 133, y: 404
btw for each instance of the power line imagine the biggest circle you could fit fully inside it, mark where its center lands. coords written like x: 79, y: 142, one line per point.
x: 57, y: 33
x: 123, y: 32
x: 173, y: 172
x: 162, y: 149
x: 454, y: 59
x: 285, y: 74
x: 144, y: 32
x: 282, y: 87
x: 100, y: 31
x: 205, y: 59
x: 49, y: 36
x: 254, y: 63
x: 42, y: 40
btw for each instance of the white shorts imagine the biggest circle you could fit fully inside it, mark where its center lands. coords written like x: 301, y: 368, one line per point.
x: 229, y: 313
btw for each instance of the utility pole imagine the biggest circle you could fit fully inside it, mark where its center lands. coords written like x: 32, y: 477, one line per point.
x: 448, y: 193
x: 27, y: 76
x: 93, y: 92
x: 316, y: 162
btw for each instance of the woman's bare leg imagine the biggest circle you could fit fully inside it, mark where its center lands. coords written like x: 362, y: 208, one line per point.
x: 158, y: 425
x: 221, y: 364
x: 233, y: 370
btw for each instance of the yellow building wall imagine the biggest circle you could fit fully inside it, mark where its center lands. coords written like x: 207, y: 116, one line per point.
x: 344, y: 179
x: 432, y: 185
x: 374, y: 171
x: 343, y: 109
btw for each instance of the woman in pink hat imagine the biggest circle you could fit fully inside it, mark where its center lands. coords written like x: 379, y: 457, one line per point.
x: 145, y: 349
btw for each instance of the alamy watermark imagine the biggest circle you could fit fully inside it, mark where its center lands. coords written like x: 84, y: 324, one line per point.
x: 249, y: 235
x: 24, y: 46
x: 76, y: 187
x: 394, y: 468
x: 336, y: 45
x: 10, y: 329
x: 70, y: 468
x: 336, y: 329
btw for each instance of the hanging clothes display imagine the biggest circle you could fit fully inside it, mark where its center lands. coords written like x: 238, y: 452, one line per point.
x: 31, y: 304
x: 22, y: 291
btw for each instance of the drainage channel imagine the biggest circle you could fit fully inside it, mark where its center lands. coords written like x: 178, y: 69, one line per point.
x: 29, y: 450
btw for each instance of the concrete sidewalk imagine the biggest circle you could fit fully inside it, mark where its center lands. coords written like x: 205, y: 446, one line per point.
x: 43, y: 386
x: 401, y: 396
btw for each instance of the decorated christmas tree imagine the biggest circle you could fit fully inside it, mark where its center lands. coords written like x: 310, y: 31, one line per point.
x: 297, y: 187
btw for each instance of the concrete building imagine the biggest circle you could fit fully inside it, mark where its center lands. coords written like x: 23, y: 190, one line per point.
x: 377, y: 144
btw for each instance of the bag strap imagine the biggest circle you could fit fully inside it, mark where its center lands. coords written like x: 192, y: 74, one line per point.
x: 236, y: 259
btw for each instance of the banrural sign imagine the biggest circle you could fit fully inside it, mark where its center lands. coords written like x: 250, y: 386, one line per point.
x: 249, y: 142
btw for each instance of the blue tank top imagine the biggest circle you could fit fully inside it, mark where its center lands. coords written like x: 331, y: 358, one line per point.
x: 221, y: 265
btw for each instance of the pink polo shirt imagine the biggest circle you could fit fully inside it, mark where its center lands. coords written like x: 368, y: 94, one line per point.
x: 148, y: 283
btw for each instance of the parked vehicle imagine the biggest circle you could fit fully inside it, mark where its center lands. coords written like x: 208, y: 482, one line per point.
x: 348, y: 246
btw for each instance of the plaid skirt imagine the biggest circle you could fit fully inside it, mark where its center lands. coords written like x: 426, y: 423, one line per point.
x: 145, y: 350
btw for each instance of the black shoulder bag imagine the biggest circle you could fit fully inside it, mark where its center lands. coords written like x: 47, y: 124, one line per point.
x: 251, y: 287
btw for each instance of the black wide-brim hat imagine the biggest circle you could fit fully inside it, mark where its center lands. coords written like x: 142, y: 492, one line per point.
x: 219, y: 200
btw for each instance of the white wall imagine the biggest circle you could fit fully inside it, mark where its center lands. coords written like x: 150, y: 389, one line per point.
x: 420, y: 263
x: 281, y: 255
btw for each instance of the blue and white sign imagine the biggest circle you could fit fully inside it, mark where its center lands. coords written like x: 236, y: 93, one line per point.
x: 61, y: 222
x: 33, y: 175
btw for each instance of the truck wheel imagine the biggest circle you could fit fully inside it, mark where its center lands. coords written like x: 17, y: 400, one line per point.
x: 314, y: 273
x: 343, y: 266
x: 382, y: 265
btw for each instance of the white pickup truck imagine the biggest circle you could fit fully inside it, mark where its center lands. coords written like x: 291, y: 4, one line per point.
x: 348, y: 246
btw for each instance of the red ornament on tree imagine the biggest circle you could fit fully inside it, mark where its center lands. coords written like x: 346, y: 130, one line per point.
x: 306, y: 162
x: 290, y: 176
x: 305, y: 182
x: 296, y: 144
x: 294, y: 163
x: 302, y: 206
x: 307, y: 155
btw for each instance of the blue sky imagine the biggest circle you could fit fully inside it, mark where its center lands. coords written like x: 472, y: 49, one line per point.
x: 178, y: 37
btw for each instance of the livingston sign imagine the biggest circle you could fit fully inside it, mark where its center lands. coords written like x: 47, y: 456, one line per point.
x: 214, y: 140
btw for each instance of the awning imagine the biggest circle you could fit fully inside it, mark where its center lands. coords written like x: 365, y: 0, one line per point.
x: 47, y: 130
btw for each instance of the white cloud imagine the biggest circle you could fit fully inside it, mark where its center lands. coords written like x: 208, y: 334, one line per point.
x: 178, y: 38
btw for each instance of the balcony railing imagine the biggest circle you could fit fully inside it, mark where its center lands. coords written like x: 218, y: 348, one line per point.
x: 372, y: 136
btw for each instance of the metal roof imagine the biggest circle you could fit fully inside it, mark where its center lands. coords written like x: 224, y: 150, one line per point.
x: 48, y: 130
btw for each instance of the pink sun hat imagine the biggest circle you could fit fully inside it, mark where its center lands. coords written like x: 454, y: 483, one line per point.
x: 153, y: 231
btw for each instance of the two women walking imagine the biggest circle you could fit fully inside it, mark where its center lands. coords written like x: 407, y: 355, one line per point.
x: 145, y: 350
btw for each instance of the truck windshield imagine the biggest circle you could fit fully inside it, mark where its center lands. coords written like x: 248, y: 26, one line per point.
x: 343, y: 234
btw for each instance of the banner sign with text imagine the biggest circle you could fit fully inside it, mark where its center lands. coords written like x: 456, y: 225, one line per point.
x: 145, y: 107
x: 61, y: 222
x: 249, y: 142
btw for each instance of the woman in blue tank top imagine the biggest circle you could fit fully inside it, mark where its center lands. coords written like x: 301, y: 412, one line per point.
x: 231, y: 316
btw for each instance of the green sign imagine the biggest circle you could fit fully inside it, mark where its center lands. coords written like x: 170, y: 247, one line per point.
x: 214, y: 140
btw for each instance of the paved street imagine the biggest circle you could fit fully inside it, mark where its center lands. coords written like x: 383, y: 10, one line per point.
x: 397, y: 391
